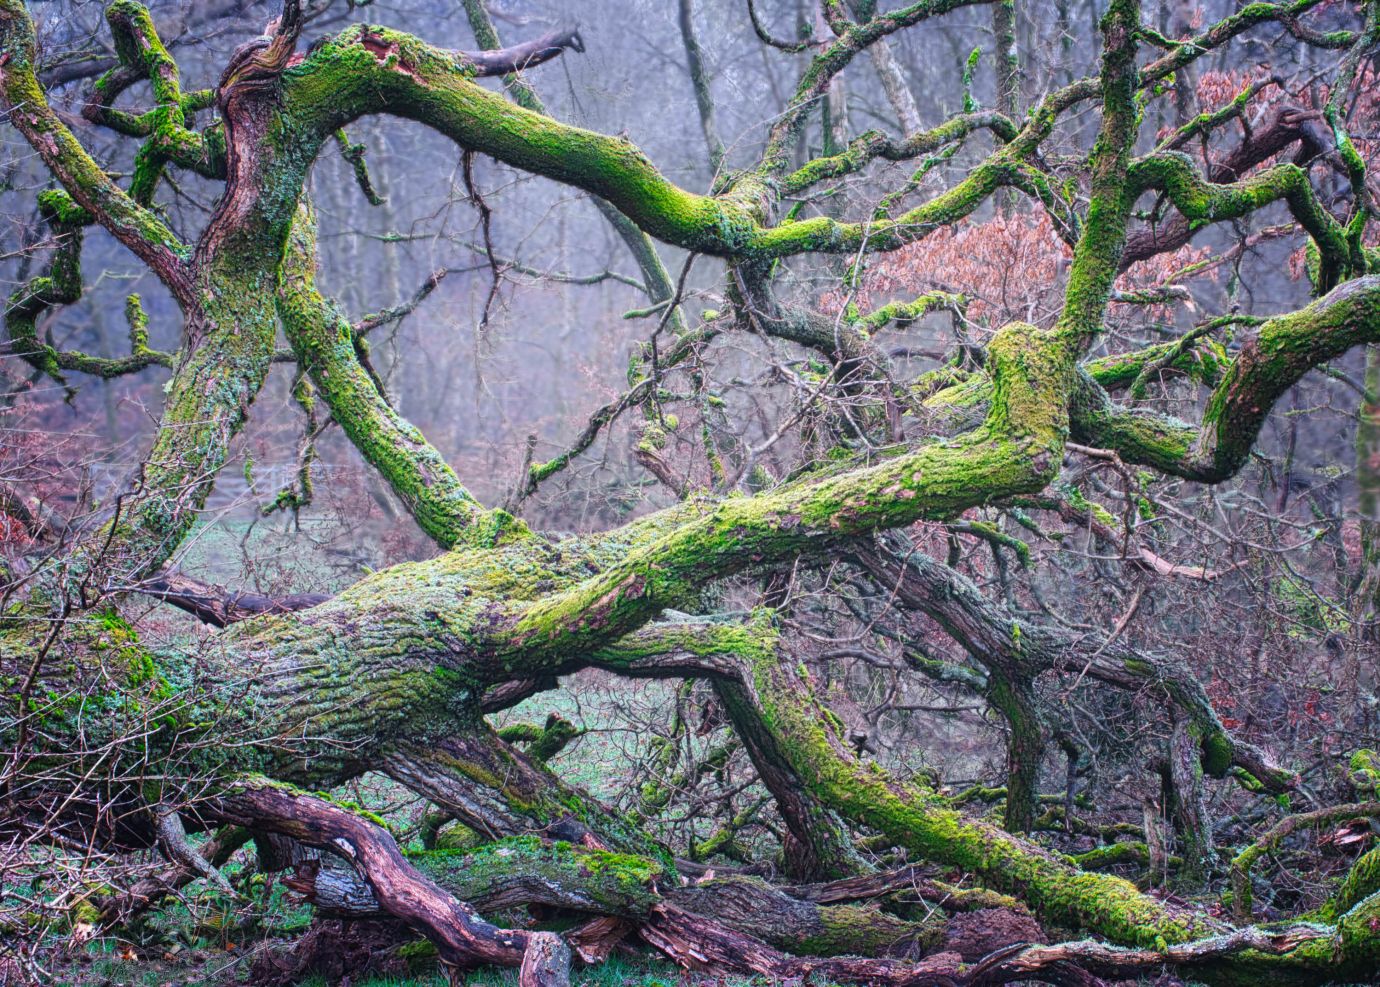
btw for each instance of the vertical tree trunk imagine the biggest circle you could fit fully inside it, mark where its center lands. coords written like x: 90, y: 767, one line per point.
x: 1368, y: 497
x: 1014, y: 697
x: 1186, y: 806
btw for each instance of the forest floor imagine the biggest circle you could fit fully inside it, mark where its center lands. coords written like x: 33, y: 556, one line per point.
x: 207, y: 939
x: 100, y: 966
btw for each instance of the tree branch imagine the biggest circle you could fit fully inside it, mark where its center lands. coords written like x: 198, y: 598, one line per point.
x: 134, y: 226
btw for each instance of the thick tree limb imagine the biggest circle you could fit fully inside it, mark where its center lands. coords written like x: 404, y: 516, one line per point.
x: 461, y: 936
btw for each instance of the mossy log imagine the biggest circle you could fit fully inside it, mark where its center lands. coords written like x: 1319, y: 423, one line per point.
x: 527, y: 870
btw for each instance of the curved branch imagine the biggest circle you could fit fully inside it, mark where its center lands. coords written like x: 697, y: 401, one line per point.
x: 814, y: 82
x: 61, y: 284
x: 1203, y: 202
x: 1287, y: 125
x: 461, y: 936
x: 1282, y: 351
x: 988, y: 631
x: 134, y: 226
x: 765, y: 37
x: 369, y: 70
x: 324, y: 343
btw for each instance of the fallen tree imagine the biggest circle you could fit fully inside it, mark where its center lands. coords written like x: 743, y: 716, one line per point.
x: 126, y: 746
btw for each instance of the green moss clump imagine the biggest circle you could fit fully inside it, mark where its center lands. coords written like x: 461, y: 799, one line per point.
x: 613, y: 883
x: 1365, y: 770
x: 1217, y: 753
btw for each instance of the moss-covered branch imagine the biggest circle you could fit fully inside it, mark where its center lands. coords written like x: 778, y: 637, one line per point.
x: 1203, y: 202
x: 875, y: 144
x: 1097, y: 256
x: 61, y: 284
x: 1282, y: 351
x: 367, y: 70
x: 133, y: 225
x: 324, y: 343
x: 1015, y: 451
x: 926, y: 825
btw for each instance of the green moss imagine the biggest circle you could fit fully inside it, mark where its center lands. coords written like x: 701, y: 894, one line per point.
x: 620, y: 884
x: 59, y: 207
x: 865, y: 930
x: 420, y: 953
x: 1217, y: 754
x: 458, y: 836
x: 543, y: 742
x: 84, y: 912
x: 354, y: 808
x: 1361, y: 882
x: 1365, y: 770
x: 1113, y: 855
x: 929, y: 827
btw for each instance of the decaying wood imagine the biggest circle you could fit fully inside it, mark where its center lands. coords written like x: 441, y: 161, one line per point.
x: 595, y: 940
x: 462, y: 938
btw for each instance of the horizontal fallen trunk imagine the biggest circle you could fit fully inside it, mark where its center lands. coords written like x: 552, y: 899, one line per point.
x: 525, y: 870
x: 746, y: 925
